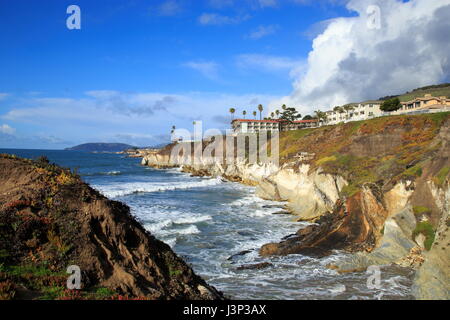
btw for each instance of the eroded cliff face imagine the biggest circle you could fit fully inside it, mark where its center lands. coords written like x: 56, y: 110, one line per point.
x: 377, y: 188
x: 50, y: 219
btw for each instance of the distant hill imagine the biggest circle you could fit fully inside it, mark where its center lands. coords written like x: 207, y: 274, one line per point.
x: 434, y: 90
x: 101, y: 147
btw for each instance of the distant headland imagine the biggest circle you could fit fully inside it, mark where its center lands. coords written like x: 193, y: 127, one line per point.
x: 101, y: 147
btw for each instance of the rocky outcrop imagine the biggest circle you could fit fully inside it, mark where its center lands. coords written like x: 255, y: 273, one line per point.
x: 432, y: 278
x: 309, y: 194
x: 50, y: 219
x: 374, y: 188
x: 354, y: 225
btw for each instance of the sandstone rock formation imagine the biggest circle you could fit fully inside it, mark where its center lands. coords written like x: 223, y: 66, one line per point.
x: 50, y: 219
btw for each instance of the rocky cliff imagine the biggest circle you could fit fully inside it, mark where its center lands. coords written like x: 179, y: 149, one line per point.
x: 377, y: 188
x: 50, y: 219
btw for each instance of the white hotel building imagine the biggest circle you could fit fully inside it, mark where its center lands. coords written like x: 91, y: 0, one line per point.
x: 254, y: 126
x: 361, y: 111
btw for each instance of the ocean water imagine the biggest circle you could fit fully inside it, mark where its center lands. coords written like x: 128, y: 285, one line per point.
x: 209, y: 222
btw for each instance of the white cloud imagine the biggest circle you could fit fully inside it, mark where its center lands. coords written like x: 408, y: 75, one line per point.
x: 169, y: 8
x: 6, y: 129
x: 219, y: 4
x: 270, y: 63
x: 263, y: 31
x: 218, y: 19
x: 267, y: 3
x: 144, y: 118
x: 255, y: 4
x: 351, y: 62
x: 208, y: 69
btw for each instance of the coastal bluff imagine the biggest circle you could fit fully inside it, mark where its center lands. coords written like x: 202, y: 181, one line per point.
x: 378, y: 189
x: 50, y: 220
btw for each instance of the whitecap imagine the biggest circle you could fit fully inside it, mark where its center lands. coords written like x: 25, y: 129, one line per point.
x: 189, y: 230
x: 158, y: 226
x: 125, y: 189
x: 192, y: 220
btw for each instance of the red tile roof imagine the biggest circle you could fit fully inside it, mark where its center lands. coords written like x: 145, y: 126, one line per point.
x: 273, y: 121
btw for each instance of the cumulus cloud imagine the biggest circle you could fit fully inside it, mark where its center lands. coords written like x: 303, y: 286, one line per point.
x: 6, y: 129
x: 352, y: 61
x: 142, y: 118
x: 131, y: 104
x: 263, y: 31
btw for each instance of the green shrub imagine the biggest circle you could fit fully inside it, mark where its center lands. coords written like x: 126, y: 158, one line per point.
x: 420, y: 210
x: 325, y: 159
x: 350, y: 190
x: 103, y: 293
x: 415, y: 171
x: 441, y: 176
x: 427, y: 230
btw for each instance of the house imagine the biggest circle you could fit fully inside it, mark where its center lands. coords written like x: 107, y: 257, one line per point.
x: 428, y: 103
x: 254, y: 126
x: 358, y: 111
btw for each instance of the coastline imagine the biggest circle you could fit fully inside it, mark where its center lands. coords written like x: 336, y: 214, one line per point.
x: 375, y: 223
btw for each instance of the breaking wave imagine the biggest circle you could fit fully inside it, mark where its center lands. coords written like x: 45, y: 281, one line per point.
x: 125, y: 189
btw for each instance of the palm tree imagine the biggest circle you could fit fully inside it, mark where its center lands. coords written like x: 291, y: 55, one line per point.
x: 347, y: 108
x: 254, y: 114
x: 244, y: 113
x: 260, y: 108
x: 283, y: 107
x: 322, y: 116
x: 272, y: 115
x: 172, y: 132
x: 277, y: 113
x: 232, y: 111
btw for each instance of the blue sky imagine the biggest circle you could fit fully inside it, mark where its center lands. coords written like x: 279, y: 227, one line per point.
x: 138, y: 67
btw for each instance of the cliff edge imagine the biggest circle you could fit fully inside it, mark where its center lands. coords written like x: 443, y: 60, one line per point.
x: 377, y: 188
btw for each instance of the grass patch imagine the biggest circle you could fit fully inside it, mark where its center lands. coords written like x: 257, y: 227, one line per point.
x: 439, y: 117
x: 418, y: 210
x: 325, y: 159
x: 103, y: 293
x: 427, y: 230
x: 413, y: 172
x: 174, y: 273
x: 28, y: 270
x: 350, y: 190
x: 441, y: 176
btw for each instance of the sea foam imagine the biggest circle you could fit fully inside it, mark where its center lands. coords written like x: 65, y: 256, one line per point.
x: 125, y: 189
